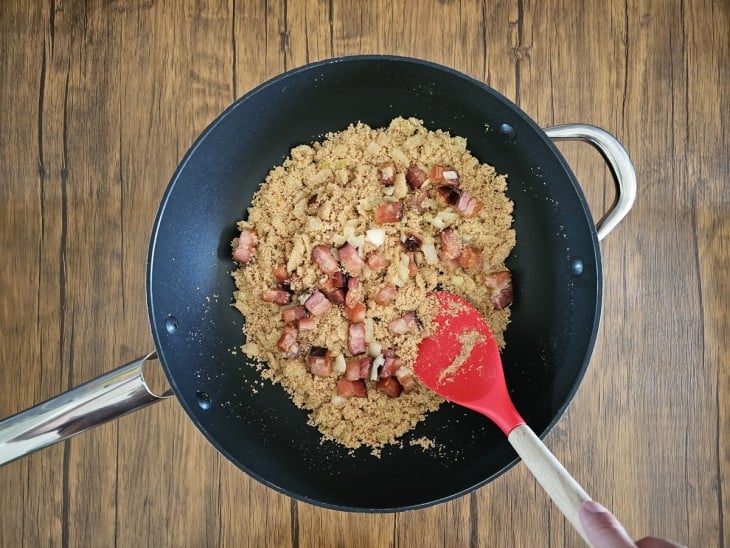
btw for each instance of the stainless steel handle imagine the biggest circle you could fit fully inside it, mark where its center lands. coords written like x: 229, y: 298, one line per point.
x: 102, y: 399
x: 619, y: 162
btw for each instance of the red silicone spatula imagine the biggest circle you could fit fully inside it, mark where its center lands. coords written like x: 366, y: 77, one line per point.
x: 460, y: 361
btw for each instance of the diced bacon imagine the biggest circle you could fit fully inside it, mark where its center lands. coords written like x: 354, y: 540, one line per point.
x: 354, y: 292
x: 471, y: 258
x: 416, y: 201
x: 437, y: 173
x: 468, y: 205
x: 356, y: 339
x: 336, y: 297
x: 449, y: 195
x: 387, y: 173
x: 277, y: 296
x: 351, y: 260
x: 411, y: 241
x: 358, y: 368
x: 412, y: 264
x: 317, y: 304
x: 280, y: 273
x: 366, y: 362
x: 355, y: 313
x: 405, y: 378
x: 450, y: 244
x: 319, y: 361
x: 389, y: 386
x: 500, y: 284
x: 339, y: 280
x: 375, y: 261
x: 352, y: 369
x: 390, y: 366
x: 288, y: 342
x: 322, y: 255
x: 290, y: 315
x: 348, y: 389
x: 385, y: 294
x: 388, y: 212
x: 246, y: 243
x: 308, y: 323
x: 404, y: 324
x: 332, y: 287
x: 415, y: 176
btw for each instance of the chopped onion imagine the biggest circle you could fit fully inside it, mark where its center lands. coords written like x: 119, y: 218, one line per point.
x: 403, y: 269
x: 356, y: 241
x: 303, y: 298
x: 314, y: 223
x: 377, y: 364
x: 338, y: 401
x: 457, y: 281
x: 375, y: 349
x: 340, y: 364
x: 429, y: 253
x: 368, y: 330
x: 444, y: 219
x: 375, y: 236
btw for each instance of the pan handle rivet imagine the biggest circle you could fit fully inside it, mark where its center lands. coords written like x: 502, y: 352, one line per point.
x: 576, y: 267
x: 204, y: 400
x: 171, y: 325
x: 508, y: 131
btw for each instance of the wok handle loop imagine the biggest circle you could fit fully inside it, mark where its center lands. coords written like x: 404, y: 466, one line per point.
x: 619, y: 162
x: 102, y: 399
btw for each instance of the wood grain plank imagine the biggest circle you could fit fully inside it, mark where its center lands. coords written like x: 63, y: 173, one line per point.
x: 30, y: 274
x: 100, y: 100
x: 169, y: 490
x: 89, y: 256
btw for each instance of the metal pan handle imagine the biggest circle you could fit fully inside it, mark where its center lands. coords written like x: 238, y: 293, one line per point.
x: 619, y: 162
x: 100, y: 400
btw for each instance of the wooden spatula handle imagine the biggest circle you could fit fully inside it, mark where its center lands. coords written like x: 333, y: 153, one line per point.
x: 554, y: 478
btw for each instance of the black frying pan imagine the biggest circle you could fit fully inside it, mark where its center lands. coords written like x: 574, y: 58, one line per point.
x: 555, y: 264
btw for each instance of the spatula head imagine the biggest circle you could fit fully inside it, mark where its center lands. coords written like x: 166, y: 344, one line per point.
x: 460, y: 361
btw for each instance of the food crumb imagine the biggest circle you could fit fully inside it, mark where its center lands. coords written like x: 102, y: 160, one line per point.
x: 423, y: 442
x: 468, y: 340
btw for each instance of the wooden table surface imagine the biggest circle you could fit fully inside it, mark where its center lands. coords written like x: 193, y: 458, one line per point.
x: 100, y: 100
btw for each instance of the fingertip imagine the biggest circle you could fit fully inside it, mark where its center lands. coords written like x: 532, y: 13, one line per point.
x: 592, y: 507
x: 602, y: 528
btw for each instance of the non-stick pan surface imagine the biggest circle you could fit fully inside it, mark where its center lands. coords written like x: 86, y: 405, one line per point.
x: 198, y: 334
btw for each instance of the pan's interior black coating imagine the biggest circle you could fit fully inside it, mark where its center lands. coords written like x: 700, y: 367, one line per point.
x: 198, y: 333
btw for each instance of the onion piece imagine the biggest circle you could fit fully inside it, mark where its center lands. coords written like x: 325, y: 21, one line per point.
x: 340, y: 364
x: 375, y: 349
x: 368, y: 330
x: 444, y: 219
x: 403, y: 270
x: 429, y: 252
x: 375, y: 236
x: 378, y: 362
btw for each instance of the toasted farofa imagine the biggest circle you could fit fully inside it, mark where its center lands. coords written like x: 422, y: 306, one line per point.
x: 327, y: 194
